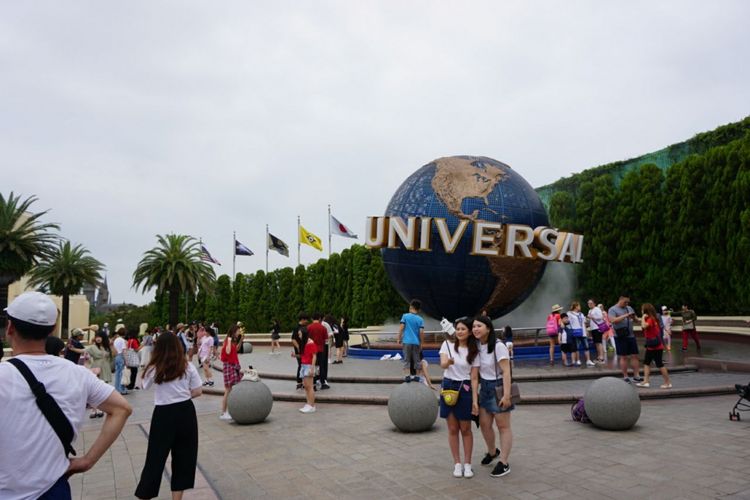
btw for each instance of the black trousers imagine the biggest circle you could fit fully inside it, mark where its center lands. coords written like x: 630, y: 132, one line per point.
x: 133, y: 375
x: 323, y: 365
x: 174, y: 428
x: 299, y: 367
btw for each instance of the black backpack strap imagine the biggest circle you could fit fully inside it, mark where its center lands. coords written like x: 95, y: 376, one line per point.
x: 49, y: 407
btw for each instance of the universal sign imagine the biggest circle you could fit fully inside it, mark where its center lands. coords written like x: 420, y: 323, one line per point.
x: 489, y: 239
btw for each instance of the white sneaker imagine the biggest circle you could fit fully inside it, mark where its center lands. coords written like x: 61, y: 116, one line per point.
x: 578, y: 363
x: 467, y: 471
x: 307, y: 409
x: 225, y: 416
x: 385, y: 357
x: 396, y: 357
x: 458, y: 470
x: 590, y: 363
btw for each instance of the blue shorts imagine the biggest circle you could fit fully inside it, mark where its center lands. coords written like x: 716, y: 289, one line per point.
x: 305, y: 371
x: 582, y: 343
x: 487, y: 399
x: 462, y: 409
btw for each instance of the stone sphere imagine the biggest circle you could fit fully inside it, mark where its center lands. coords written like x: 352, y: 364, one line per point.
x: 250, y: 402
x: 413, y: 407
x: 612, y: 404
x: 247, y: 347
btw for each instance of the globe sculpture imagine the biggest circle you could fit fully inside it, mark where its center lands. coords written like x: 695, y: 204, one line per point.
x: 247, y: 347
x: 250, y: 402
x: 612, y: 404
x: 413, y: 407
x: 471, y: 188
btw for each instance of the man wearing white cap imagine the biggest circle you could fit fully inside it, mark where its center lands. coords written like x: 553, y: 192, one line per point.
x: 38, y: 428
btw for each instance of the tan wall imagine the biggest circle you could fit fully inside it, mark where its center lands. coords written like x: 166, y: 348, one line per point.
x: 79, y: 305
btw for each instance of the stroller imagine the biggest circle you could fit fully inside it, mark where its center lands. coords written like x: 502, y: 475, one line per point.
x: 742, y: 404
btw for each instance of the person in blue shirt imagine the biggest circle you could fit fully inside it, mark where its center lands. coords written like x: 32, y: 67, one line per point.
x: 411, y: 337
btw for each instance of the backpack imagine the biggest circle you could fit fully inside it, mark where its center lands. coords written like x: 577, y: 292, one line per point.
x: 552, y: 326
x: 578, y: 412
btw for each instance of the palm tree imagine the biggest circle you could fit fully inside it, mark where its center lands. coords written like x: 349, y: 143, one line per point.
x: 175, y: 266
x: 24, y: 239
x: 64, y: 272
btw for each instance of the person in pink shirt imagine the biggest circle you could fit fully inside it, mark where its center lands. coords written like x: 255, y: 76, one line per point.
x: 205, y: 344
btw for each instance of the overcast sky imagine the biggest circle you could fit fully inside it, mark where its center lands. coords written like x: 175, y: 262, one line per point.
x: 131, y: 119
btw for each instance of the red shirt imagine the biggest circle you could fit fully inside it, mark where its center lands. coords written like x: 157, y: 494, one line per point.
x: 319, y: 334
x: 307, y: 353
x: 133, y: 344
x: 650, y: 331
x: 230, y: 358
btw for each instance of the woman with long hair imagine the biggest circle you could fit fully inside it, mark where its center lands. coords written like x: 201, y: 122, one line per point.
x: 231, y: 362
x: 132, y: 360
x: 174, y: 426
x: 654, y: 347
x: 100, y: 363
x: 275, y: 336
x: 494, y: 371
x: 460, y: 362
x: 205, y: 344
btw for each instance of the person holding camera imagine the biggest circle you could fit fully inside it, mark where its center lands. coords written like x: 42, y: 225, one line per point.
x: 622, y: 317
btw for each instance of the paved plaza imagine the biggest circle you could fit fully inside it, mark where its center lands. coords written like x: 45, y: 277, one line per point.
x: 680, y: 448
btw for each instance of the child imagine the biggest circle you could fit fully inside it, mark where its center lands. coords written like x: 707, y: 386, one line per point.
x: 565, y: 338
x: 508, y: 339
x: 204, y: 355
x: 308, y: 358
x: 424, y: 374
x: 411, y: 338
x: 666, y: 320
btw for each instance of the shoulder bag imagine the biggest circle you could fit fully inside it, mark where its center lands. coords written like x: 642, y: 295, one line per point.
x: 450, y: 396
x: 515, y: 391
x: 49, y: 407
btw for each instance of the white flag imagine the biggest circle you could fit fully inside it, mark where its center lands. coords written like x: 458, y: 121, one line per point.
x: 341, y: 230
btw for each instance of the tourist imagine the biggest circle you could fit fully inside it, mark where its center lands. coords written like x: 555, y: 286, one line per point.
x: 688, y: 327
x: 666, y: 322
x: 494, y: 370
x: 609, y: 336
x: 565, y: 339
x: 54, y: 346
x: 508, y: 339
x: 132, y: 359
x: 339, y: 339
x: 411, y: 337
x: 100, y: 363
x: 597, y: 327
x: 654, y: 347
x: 308, y: 355
x: 460, y: 363
x: 35, y: 462
x: 179, y: 330
x: 424, y: 373
x: 231, y: 369
x: 554, y: 326
x: 192, y: 345
x: 74, y: 349
x: 331, y: 330
x: 622, y: 316
x: 275, y: 336
x: 345, y: 329
x: 298, y: 333
x: 118, y: 345
x: 205, y: 344
x: 319, y: 334
x: 174, y: 426
x: 147, y: 344
x: 578, y: 327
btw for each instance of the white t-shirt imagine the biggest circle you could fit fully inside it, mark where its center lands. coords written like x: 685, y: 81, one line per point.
x: 596, y: 317
x: 328, y: 328
x: 460, y: 370
x: 576, y: 320
x: 174, y: 391
x: 487, y: 360
x: 667, y: 322
x: 32, y: 457
x: 120, y: 345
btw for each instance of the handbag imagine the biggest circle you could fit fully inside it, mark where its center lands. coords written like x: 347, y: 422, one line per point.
x: 131, y: 358
x: 449, y: 396
x: 603, y: 327
x: 515, y: 390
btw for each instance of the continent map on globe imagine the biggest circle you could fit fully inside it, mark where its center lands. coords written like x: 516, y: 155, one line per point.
x: 471, y: 188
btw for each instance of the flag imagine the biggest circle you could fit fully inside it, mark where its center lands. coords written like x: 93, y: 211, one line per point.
x: 310, y: 239
x: 277, y: 245
x: 240, y: 249
x: 206, y: 257
x: 339, y: 229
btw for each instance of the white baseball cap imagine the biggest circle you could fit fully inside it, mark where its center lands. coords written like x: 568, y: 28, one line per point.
x: 33, y: 307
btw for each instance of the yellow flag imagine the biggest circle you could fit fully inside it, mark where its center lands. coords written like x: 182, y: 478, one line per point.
x: 310, y: 239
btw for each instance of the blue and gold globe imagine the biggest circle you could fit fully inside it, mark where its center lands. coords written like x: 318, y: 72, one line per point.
x: 451, y: 285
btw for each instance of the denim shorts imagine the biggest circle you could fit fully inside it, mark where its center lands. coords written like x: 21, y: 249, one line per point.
x: 305, y: 371
x: 487, y: 399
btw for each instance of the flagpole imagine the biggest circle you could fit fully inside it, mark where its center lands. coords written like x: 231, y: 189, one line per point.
x: 266, y: 248
x: 299, y: 244
x: 329, y: 230
x: 234, y: 252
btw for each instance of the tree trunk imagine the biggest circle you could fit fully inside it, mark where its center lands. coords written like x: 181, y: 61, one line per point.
x: 174, y: 298
x: 65, y: 314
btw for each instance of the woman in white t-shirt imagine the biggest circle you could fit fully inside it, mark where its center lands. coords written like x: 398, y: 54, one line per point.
x: 174, y: 426
x: 460, y: 362
x: 494, y: 370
